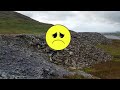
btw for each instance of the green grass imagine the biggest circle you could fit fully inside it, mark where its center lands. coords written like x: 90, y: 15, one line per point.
x: 11, y: 23
x: 113, y: 49
x: 75, y: 76
x: 110, y: 69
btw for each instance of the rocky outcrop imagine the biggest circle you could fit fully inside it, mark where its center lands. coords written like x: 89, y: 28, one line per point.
x: 17, y: 60
x: 91, y: 37
x: 82, y: 51
x: 28, y: 56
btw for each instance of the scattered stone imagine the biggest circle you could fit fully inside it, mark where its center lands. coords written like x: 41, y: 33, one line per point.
x: 28, y: 56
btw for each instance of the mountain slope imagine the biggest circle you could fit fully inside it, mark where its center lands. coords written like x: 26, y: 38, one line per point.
x: 112, y: 33
x: 16, y: 23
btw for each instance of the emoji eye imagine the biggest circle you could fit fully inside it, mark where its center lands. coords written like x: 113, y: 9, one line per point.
x: 61, y: 35
x: 55, y: 35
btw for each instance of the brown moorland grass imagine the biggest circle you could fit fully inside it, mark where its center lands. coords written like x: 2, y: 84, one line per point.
x: 110, y: 69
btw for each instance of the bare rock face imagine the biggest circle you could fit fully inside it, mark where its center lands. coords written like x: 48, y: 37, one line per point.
x: 28, y: 56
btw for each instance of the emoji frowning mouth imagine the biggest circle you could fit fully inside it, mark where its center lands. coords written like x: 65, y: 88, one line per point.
x: 57, y: 40
x: 58, y: 37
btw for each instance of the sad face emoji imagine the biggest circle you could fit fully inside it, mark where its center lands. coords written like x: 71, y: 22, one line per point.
x: 58, y: 37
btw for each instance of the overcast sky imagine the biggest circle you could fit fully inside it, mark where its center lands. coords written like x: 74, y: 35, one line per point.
x: 79, y: 21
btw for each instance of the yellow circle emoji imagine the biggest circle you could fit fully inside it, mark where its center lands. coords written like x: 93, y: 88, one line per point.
x: 58, y: 37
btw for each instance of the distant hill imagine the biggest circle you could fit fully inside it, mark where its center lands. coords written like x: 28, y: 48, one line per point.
x: 16, y: 23
x: 112, y: 33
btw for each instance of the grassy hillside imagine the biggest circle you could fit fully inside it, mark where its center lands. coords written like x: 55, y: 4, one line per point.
x: 15, y: 23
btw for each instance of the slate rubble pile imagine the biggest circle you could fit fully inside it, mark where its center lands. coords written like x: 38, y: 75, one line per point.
x: 82, y: 51
x: 28, y: 56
